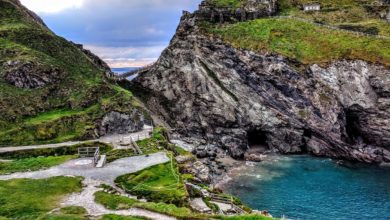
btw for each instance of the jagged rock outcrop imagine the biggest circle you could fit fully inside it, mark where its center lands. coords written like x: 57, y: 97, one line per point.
x: 121, y: 123
x: 30, y: 14
x: 238, y: 99
x: 29, y: 75
x: 248, y: 10
x: 95, y: 59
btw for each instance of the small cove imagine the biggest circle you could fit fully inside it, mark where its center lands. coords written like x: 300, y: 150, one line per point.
x: 303, y: 187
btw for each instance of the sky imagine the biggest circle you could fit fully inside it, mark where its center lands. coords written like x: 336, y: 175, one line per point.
x: 124, y: 33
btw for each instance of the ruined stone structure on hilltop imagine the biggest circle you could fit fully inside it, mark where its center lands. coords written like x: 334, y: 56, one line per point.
x: 248, y: 10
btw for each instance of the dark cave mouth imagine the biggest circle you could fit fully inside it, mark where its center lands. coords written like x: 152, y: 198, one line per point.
x: 257, y: 140
x: 352, y: 127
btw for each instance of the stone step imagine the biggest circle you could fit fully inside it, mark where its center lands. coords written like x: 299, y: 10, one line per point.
x: 102, y: 161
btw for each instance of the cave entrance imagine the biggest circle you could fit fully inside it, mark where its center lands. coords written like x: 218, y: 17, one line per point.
x: 352, y: 127
x: 257, y: 141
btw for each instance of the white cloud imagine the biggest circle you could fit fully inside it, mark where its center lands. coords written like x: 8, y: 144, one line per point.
x: 117, y: 57
x: 129, y: 63
x: 52, y: 6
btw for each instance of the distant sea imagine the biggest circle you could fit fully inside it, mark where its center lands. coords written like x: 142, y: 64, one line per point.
x: 123, y: 70
x: 303, y: 187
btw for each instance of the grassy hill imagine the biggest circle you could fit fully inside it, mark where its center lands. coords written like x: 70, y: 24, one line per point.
x: 300, y: 35
x: 68, y: 106
x: 359, y: 15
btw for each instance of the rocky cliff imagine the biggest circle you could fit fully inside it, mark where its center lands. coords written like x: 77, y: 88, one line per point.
x: 250, y: 102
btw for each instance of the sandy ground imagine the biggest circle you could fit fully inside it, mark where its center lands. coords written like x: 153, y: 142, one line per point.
x: 85, y: 168
x: 86, y: 199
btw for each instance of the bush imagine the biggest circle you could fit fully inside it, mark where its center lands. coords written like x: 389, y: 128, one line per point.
x: 119, y: 153
x: 360, y: 28
x: 114, y: 202
x: 159, y: 183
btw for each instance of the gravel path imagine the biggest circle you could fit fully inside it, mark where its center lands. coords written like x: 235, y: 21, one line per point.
x: 86, y: 199
x: 115, y: 140
x: 85, y: 168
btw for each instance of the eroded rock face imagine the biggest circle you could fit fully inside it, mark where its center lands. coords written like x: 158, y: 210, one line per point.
x: 29, y: 75
x: 237, y: 99
x: 199, y: 170
x: 120, y: 123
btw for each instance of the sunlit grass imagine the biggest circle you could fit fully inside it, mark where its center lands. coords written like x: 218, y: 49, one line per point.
x: 303, y: 41
x: 29, y: 199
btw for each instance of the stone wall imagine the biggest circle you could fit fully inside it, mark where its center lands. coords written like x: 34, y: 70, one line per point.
x: 250, y: 10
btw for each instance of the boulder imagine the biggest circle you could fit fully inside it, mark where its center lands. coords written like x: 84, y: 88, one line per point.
x: 29, y: 75
x: 121, y: 123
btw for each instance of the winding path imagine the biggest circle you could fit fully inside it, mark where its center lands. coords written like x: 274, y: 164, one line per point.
x: 109, y: 139
x: 86, y: 199
x: 85, y: 168
x: 93, y: 177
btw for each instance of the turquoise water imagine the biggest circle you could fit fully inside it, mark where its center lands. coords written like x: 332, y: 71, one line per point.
x: 302, y: 187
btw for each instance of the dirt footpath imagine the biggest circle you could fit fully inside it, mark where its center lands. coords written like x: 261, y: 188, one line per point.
x: 86, y: 169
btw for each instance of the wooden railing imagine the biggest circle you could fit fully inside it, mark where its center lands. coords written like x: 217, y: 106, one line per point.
x: 222, y: 199
x: 93, y: 152
x: 136, y: 147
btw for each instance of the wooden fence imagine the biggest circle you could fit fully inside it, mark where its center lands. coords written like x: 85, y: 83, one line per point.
x: 93, y: 152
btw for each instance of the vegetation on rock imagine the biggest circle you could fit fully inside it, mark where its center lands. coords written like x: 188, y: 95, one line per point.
x: 116, y: 202
x: 65, y: 109
x: 228, y: 3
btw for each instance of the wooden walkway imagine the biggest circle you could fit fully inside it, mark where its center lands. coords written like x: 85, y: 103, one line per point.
x: 229, y: 201
x: 137, y: 149
x: 126, y: 75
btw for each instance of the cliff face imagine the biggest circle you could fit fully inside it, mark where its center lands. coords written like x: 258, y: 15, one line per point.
x: 247, y: 102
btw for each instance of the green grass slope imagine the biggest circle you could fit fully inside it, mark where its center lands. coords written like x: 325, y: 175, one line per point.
x: 30, y: 199
x: 32, y: 164
x: 303, y: 41
x: 160, y: 183
x: 342, y: 29
x: 359, y: 15
x: 63, y: 110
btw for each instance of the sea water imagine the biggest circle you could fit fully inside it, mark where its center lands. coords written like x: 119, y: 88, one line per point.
x: 123, y: 69
x: 303, y: 187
